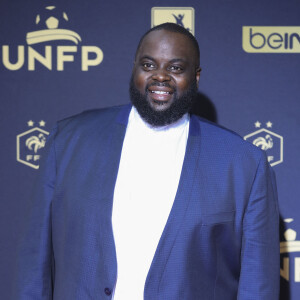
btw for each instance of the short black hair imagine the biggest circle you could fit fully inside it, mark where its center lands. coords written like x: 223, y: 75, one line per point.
x: 172, y: 27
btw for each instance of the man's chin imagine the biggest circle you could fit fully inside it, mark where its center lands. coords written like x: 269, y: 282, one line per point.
x: 159, y: 105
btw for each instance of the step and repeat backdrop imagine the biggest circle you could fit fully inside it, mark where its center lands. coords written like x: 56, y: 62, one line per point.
x: 59, y: 58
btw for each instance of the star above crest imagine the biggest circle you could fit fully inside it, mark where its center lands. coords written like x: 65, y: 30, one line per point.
x: 30, y: 123
x: 42, y: 123
x: 257, y: 124
x: 269, y: 124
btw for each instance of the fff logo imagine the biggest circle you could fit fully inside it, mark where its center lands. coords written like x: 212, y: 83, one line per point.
x: 290, y: 254
x: 29, y: 144
x: 269, y: 141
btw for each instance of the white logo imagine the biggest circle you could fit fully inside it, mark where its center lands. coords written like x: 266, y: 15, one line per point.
x: 36, y: 142
x: 291, y: 245
x: 269, y: 141
x: 29, y: 143
x: 264, y: 143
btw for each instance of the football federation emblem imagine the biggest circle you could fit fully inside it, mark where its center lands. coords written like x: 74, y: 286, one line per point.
x: 49, y: 21
x: 36, y: 142
x: 269, y: 141
x: 29, y: 143
x: 288, y: 252
x: 183, y: 16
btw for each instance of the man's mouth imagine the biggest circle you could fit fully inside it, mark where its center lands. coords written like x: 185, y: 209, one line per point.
x: 160, y: 93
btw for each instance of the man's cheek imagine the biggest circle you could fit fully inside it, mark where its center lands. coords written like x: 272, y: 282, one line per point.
x: 140, y: 84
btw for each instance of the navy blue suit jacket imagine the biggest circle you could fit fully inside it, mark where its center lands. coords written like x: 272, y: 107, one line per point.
x: 220, y: 241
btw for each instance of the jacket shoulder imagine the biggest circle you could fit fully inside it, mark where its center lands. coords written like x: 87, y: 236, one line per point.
x: 91, y: 125
x: 225, y: 141
x: 90, y: 118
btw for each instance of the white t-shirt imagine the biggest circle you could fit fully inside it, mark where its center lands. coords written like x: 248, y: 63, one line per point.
x: 145, y: 190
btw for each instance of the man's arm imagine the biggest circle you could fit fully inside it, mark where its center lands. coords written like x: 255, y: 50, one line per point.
x: 33, y: 279
x: 260, y: 265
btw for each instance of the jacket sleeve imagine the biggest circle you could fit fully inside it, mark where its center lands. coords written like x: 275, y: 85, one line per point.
x: 33, y: 278
x: 260, y: 258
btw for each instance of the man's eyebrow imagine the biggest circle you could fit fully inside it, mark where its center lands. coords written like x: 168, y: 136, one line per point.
x: 174, y: 60
x: 146, y: 57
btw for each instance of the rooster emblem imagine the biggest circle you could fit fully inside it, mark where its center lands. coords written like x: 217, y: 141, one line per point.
x: 264, y: 143
x: 36, y: 142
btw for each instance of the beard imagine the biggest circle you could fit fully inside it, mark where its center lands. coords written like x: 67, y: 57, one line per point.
x: 157, y: 118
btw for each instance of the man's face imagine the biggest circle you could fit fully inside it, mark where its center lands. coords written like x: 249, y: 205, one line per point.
x: 165, y: 71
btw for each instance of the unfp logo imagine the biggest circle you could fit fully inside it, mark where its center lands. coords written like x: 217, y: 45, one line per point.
x: 50, y: 27
x: 52, y: 20
x: 275, y: 39
x: 29, y: 144
x: 183, y: 16
x: 290, y: 254
x: 269, y: 141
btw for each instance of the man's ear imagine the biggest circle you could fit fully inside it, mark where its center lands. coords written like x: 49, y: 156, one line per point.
x: 198, y: 70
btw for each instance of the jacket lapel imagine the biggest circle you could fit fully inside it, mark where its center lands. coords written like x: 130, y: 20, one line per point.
x: 114, y: 149
x: 176, y: 216
x: 107, y: 177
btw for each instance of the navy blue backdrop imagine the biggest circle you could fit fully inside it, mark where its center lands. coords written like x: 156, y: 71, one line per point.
x: 59, y: 58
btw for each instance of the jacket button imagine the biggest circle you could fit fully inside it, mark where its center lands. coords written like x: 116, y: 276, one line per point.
x: 107, y: 291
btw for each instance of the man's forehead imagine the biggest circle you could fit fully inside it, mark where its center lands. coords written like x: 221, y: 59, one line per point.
x: 165, y: 41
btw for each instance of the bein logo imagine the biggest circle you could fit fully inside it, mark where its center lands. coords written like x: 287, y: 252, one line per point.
x: 275, y: 39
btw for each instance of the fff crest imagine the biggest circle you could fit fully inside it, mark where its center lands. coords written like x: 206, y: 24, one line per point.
x: 269, y: 141
x: 29, y: 144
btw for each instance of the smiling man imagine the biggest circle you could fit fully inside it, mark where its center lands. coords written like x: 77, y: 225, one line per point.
x: 166, y: 74
x: 147, y: 201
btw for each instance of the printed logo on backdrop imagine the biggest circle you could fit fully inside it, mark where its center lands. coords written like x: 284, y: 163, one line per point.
x: 275, y: 39
x: 290, y: 255
x: 30, y: 142
x: 183, y: 16
x: 51, y: 20
x: 50, y: 27
x: 269, y: 141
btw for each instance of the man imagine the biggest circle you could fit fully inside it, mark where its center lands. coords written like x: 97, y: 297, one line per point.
x: 149, y: 201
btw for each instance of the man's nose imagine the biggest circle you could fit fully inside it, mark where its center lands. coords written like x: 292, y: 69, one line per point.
x: 161, y: 75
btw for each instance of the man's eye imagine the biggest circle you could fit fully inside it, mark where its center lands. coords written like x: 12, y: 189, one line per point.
x: 147, y: 65
x: 176, y: 68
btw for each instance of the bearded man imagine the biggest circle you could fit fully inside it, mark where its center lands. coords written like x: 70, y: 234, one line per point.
x: 147, y: 201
